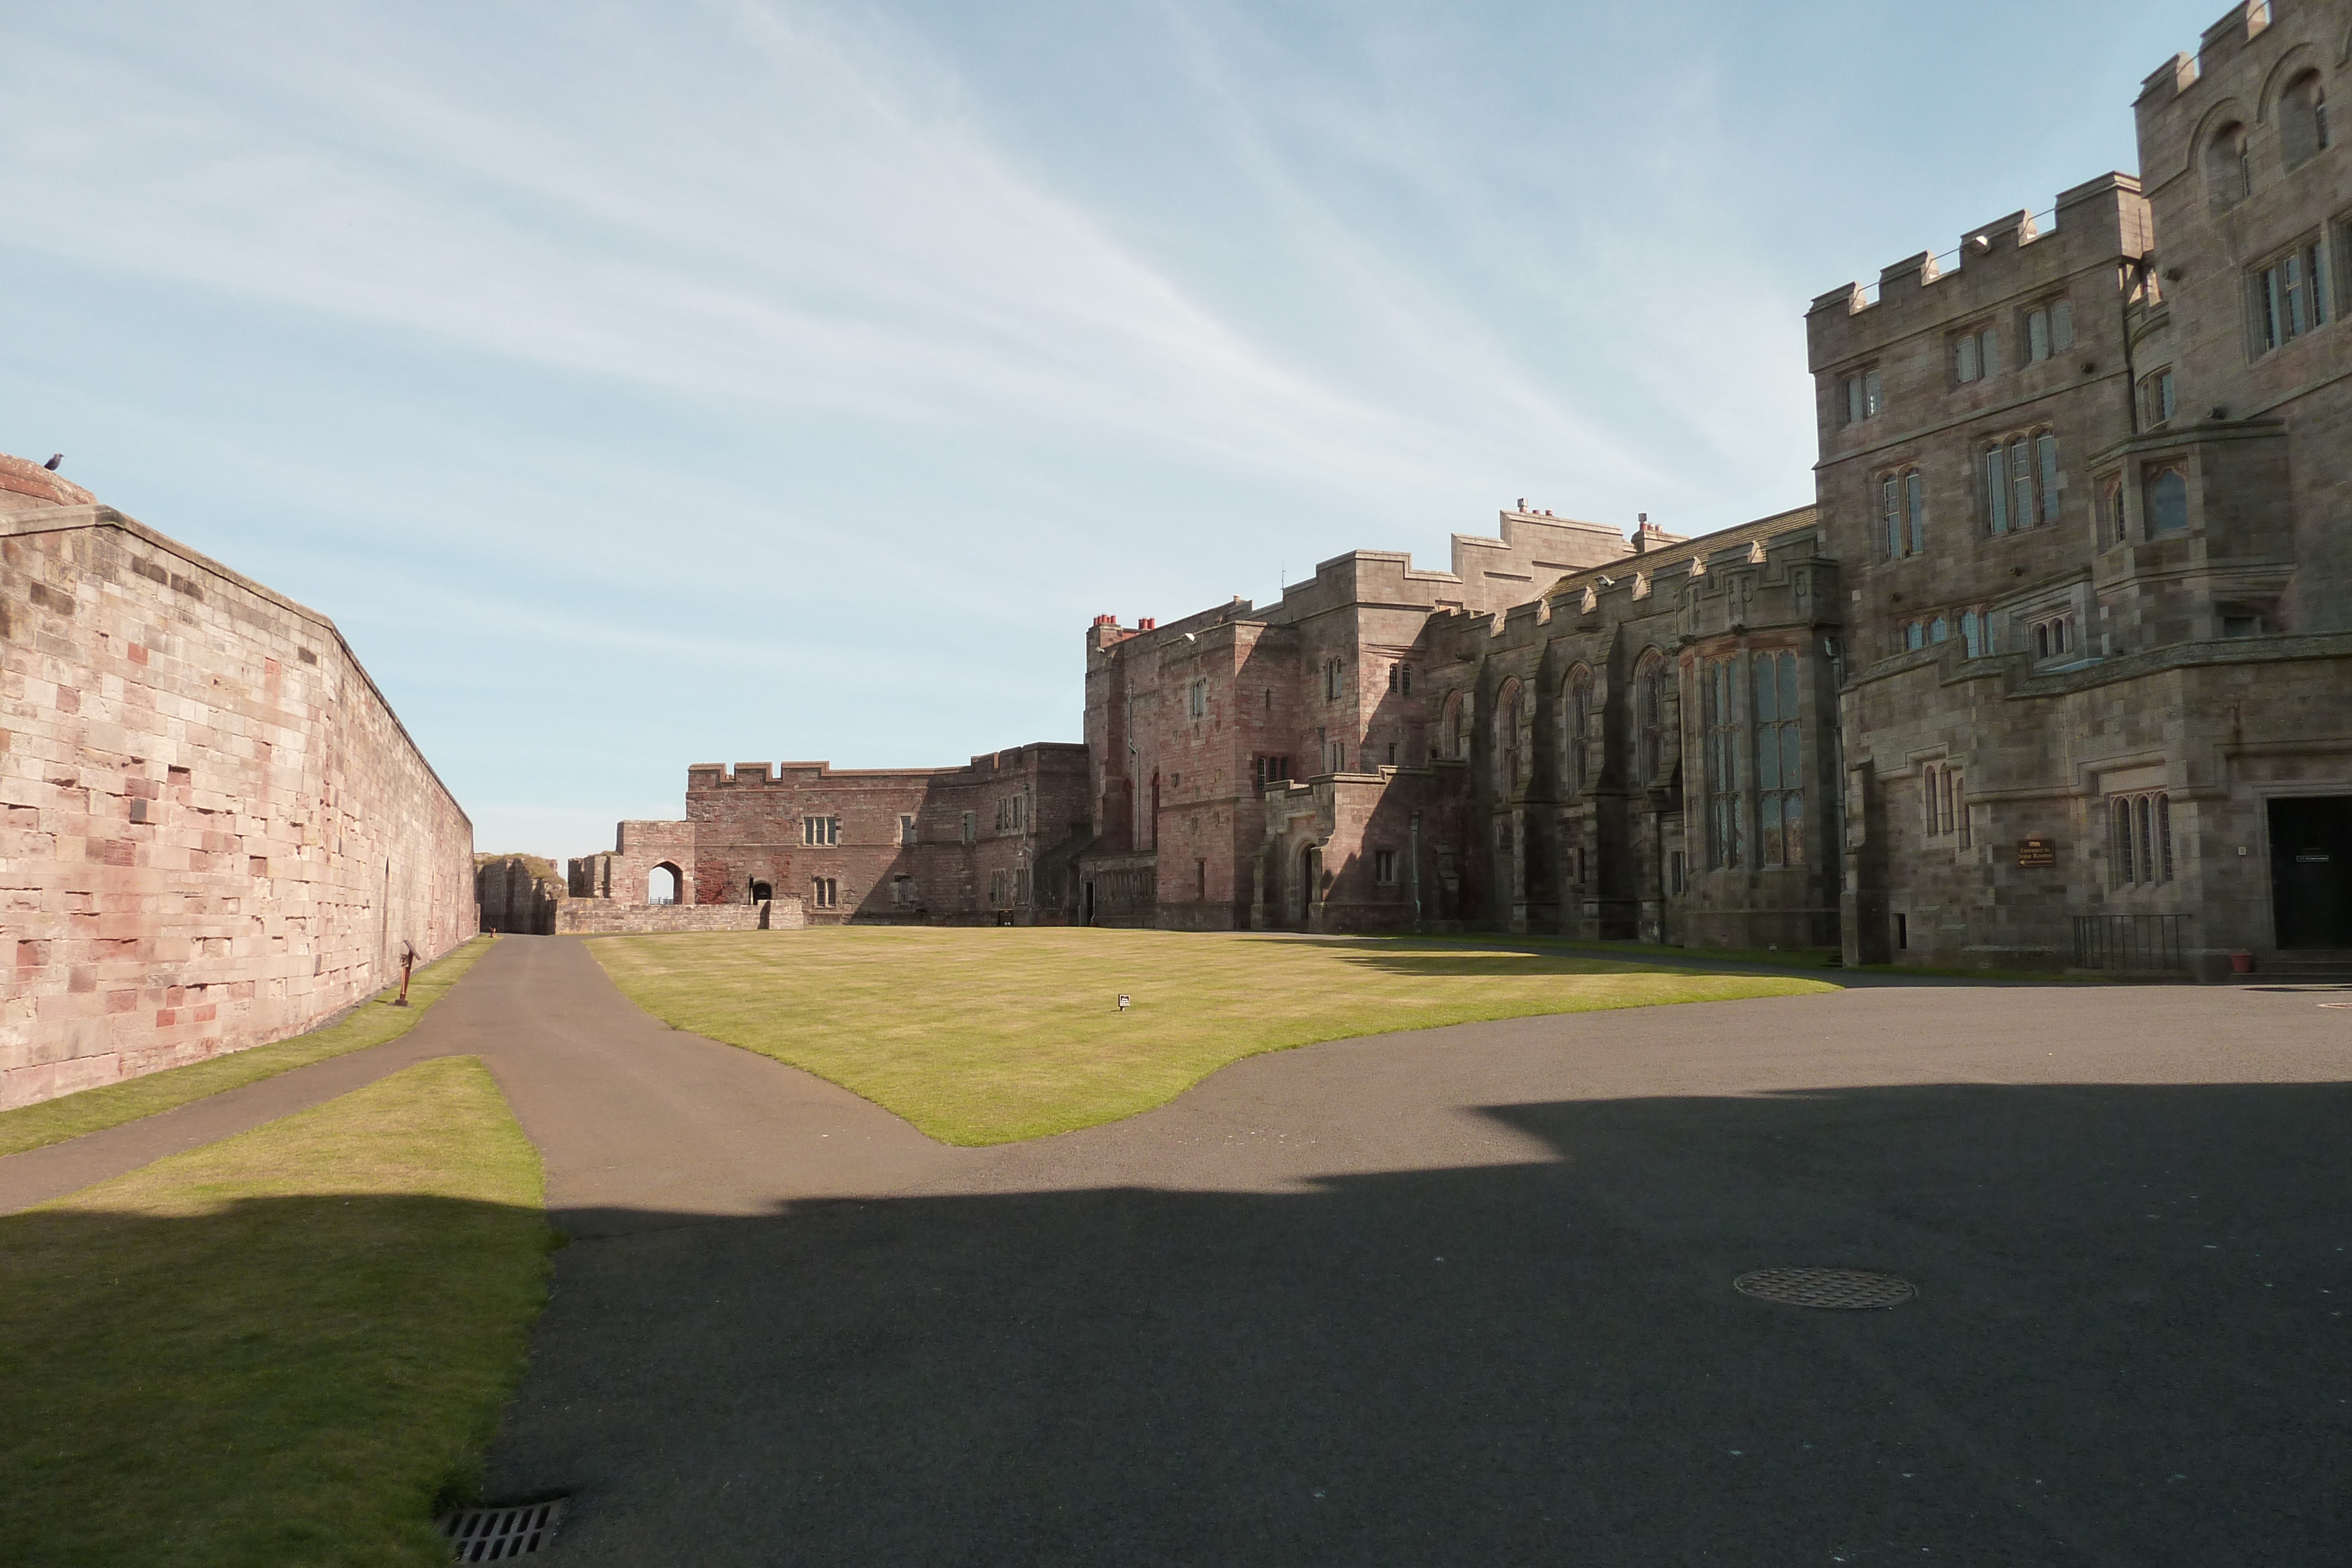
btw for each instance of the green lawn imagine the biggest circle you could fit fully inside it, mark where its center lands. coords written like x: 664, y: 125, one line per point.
x: 986, y: 1035
x: 287, y: 1347
x: 1827, y: 959
x: 373, y: 1022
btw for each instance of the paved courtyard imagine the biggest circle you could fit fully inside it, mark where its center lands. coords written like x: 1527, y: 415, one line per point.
x: 1462, y: 1296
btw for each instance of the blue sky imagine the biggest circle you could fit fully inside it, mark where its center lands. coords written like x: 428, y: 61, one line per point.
x: 643, y: 385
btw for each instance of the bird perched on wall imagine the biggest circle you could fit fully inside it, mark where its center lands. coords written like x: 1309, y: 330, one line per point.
x: 1122, y: 1001
x: 54, y: 458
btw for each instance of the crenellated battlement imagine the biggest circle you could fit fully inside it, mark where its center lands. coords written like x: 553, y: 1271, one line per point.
x: 2242, y: 62
x: 2090, y: 225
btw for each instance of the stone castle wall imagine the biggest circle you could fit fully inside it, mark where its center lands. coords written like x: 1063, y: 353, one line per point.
x: 608, y: 917
x: 213, y: 831
x: 517, y: 894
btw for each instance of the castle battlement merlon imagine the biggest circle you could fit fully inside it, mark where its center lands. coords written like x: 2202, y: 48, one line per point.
x: 2168, y: 80
x: 2093, y: 224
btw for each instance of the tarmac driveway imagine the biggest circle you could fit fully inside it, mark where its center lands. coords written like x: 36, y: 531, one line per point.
x: 1464, y: 1296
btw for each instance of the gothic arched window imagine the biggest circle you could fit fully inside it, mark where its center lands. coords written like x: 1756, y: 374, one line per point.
x: 1510, y: 750
x: 1579, y: 729
x: 1649, y: 718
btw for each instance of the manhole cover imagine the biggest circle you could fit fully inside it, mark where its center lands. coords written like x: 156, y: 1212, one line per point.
x: 1845, y: 1289
x: 495, y: 1534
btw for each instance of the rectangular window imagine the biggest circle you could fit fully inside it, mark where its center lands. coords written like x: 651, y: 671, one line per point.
x: 1996, y: 485
x: 1199, y: 699
x: 1200, y: 880
x: 1021, y: 886
x: 2049, y: 331
x: 826, y: 831
x: 1944, y: 804
x: 906, y: 829
x: 1675, y: 872
x: 1384, y: 864
x: 2140, y: 831
x: 1964, y: 366
x: 1903, y: 512
x: 825, y: 893
x: 996, y: 890
x: 970, y: 826
x: 2164, y: 500
x: 1852, y: 387
x: 2021, y: 484
x: 1972, y: 634
x: 2045, y: 454
x: 902, y: 890
x: 2288, y: 297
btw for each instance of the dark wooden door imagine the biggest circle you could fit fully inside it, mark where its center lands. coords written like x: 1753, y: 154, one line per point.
x: 2310, y: 871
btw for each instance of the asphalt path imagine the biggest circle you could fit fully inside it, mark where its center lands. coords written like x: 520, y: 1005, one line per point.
x: 1456, y: 1296
x: 1464, y: 1296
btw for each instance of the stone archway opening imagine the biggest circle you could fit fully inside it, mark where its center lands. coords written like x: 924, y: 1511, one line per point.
x: 662, y: 883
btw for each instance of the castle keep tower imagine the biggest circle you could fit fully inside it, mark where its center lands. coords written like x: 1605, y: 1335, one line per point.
x: 2087, y: 476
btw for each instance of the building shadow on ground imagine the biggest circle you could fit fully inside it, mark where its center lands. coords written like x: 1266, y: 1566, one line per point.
x: 2125, y: 1348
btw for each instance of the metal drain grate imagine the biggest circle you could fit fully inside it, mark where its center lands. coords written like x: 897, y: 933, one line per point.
x: 495, y: 1534
x: 1846, y: 1289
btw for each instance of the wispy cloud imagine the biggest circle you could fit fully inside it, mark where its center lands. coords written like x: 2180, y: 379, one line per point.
x: 643, y: 383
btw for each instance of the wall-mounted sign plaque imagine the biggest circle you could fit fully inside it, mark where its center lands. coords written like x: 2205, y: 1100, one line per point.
x: 2040, y: 850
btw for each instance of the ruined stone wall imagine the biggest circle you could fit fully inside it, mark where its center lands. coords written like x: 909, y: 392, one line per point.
x: 608, y: 917
x: 213, y: 832
x: 625, y: 874
x: 517, y: 894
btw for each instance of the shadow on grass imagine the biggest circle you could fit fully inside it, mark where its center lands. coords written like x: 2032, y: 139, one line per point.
x: 284, y: 1380
x: 1515, y: 955
x: 2126, y: 1348
x: 371, y: 1021
x: 1520, y: 964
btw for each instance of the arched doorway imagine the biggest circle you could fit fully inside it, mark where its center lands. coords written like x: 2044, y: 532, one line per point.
x: 1310, y: 864
x: 761, y: 892
x: 662, y: 885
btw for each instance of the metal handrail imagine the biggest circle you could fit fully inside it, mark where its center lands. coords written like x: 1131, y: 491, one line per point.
x: 2142, y: 941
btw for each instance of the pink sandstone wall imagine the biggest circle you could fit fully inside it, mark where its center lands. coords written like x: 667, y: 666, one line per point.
x: 213, y: 832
